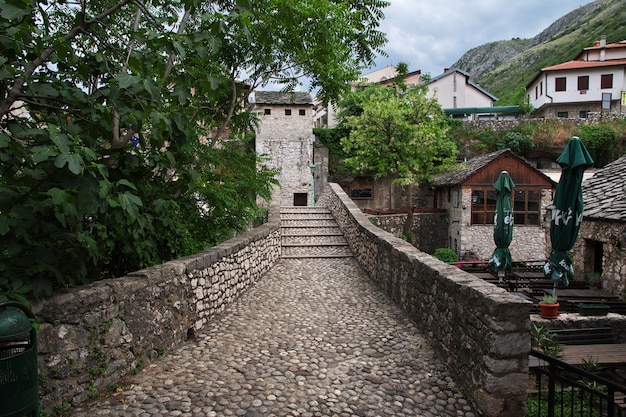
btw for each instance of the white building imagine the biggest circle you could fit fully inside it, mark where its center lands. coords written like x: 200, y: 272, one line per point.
x: 326, y: 115
x: 593, y: 82
x: 460, y: 97
x: 285, y: 135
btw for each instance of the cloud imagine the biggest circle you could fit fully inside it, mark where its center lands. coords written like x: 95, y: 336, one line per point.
x: 431, y: 36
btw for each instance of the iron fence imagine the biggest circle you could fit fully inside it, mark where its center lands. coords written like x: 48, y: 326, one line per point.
x: 564, y: 390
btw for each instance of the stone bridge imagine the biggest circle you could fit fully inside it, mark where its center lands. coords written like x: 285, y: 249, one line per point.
x: 318, y: 312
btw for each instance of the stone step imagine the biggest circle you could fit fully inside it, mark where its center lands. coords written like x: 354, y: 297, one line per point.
x: 311, y: 232
x: 316, y: 252
x: 308, y: 223
x: 313, y: 240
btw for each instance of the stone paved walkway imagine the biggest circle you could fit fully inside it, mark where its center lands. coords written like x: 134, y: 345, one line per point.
x: 314, y: 337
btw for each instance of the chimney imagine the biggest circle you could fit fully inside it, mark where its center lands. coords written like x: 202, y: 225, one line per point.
x: 602, y: 46
x: 446, y: 70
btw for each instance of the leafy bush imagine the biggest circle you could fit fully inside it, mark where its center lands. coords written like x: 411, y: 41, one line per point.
x: 517, y: 142
x: 446, y: 255
x: 601, y: 141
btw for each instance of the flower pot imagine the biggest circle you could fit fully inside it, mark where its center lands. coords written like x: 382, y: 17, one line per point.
x: 593, y: 309
x: 549, y: 311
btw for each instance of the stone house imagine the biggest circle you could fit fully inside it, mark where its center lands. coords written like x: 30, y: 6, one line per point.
x: 600, y: 250
x: 592, y: 83
x: 470, y: 199
x: 285, y: 135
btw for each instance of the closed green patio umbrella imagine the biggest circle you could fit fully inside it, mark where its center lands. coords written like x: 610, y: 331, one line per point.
x: 503, y: 225
x: 567, y: 213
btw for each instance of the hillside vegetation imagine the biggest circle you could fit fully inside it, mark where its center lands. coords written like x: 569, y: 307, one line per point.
x: 503, y: 67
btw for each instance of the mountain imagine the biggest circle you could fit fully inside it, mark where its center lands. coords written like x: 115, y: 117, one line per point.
x: 504, y: 67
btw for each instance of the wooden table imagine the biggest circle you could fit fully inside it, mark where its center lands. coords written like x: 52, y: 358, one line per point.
x: 582, y: 294
x: 607, y: 355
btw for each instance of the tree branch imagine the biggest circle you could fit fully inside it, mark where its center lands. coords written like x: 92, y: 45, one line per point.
x: 17, y: 86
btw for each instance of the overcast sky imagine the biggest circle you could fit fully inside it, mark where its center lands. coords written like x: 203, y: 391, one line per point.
x: 433, y: 35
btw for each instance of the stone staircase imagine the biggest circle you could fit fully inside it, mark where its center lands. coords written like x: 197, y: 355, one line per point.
x: 311, y: 232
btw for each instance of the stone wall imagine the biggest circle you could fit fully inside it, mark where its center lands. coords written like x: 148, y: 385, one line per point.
x: 287, y: 141
x: 480, y: 330
x: 593, y: 232
x: 92, y: 336
x: 428, y: 230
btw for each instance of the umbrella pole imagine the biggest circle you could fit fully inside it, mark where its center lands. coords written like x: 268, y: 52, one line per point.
x: 500, y: 276
x: 554, y: 289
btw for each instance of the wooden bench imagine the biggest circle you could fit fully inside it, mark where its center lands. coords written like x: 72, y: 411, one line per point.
x: 585, y: 336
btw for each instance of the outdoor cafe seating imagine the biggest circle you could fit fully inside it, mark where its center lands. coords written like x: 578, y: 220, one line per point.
x: 527, y: 280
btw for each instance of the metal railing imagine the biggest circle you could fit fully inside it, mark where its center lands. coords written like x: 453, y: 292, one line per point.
x: 564, y: 390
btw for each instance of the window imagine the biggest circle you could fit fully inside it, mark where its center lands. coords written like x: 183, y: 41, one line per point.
x: 483, y: 206
x: 302, y: 112
x: 583, y: 114
x: 361, y: 192
x: 525, y: 206
x: 561, y: 114
x: 559, y: 84
x: 287, y: 112
x: 541, y: 88
x: 606, y: 81
x: 536, y: 92
x: 268, y: 111
x: 583, y: 83
x: 606, y: 101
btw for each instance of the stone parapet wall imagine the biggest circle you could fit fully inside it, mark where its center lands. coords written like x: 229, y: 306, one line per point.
x: 428, y: 231
x: 480, y: 330
x: 92, y: 336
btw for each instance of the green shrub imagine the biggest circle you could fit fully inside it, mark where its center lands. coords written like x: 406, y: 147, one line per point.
x: 446, y: 255
x: 601, y: 141
x: 517, y: 142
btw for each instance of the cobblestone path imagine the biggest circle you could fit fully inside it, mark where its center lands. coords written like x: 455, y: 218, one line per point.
x: 314, y: 337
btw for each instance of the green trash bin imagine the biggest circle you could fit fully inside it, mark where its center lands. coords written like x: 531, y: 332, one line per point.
x: 19, y: 381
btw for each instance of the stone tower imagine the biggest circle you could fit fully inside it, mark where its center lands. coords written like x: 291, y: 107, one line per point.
x: 285, y: 135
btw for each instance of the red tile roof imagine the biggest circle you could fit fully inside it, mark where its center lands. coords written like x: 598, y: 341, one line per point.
x: 585, y: 64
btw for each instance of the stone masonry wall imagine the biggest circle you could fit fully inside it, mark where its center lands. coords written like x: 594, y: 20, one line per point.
x: 593, y: 232
x: 480, y: 330
x: 287, y: 140
x: 528, y: 244
x: 428, y: 230
x: 92, y: 336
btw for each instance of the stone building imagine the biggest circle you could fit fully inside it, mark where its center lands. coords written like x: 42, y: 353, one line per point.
x: 470, y: 199
x: 285, y: 135
x: 600, y: 250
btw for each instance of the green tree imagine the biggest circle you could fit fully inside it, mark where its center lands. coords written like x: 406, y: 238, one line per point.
x: 399, y: 132
x: 601, y: 141
x: 124, y: 126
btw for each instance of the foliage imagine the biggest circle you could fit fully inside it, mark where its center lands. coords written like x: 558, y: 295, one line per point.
x: 543, y: 339
x: 521, y: 99
x: 446, y: 255
x: 400, y: 132
x: 113, y: 119
x: 331, y: 138
x: 567, y: 403
x: 548, y: 299
x: 517, y: 142
x: 601, y: 141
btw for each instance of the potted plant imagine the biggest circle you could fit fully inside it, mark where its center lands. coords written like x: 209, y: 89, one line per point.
x: 549, y: 307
